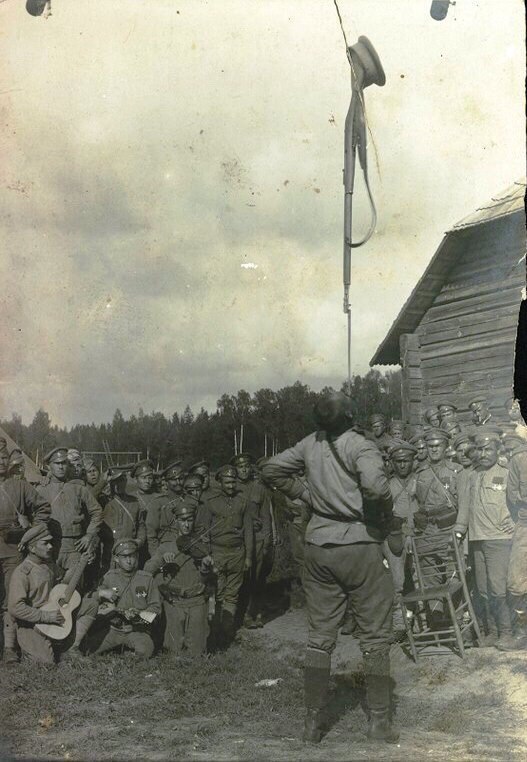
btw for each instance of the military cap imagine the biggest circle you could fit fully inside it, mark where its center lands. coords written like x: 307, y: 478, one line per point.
x: 174, y: 468
x: 377, y: 417
x: 430, y: 411
x: 400, y: 447
x: 193, y: 479
x: 126, y: 547
x: 486, y: 434
x: 199, y: 464
x: 510, y: 439
x: 57, y: 455
x: 419, y: 437
x: 142, y: 468
x: 477, y: 400
x: 184, y: 510
x: 226, y: 470
x: 446, y: 405
x: 88, y: 463
x: 437, y: 435
x: 33, y: 534
x: 16, y: 457
x: 242, y: 457
x: 461, y: 439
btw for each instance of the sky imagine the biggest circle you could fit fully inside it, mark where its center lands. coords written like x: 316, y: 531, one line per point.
x: 171, y: 188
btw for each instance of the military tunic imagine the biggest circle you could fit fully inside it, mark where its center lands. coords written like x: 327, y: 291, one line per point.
x: 159, y: 518
x: 20, y: 506
x: 74, y: 513
x: 404, y: 507
x: 184, y: 594
x: 31, y: 584
x: 122, y: 518
x: 136, y: 591
x: 232, y: 541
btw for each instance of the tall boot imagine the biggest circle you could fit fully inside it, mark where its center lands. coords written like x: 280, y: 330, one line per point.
x: 228, y: 628
x: 488, y: 627
x: 507, y: 641
x: 317, y: 668
x: 377, y: 671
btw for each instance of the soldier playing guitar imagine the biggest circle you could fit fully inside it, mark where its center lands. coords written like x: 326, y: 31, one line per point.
x: 32, y: 586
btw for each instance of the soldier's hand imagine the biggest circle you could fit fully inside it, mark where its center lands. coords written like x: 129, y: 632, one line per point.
x: 54, y: 617
x: 169, y: 558
x: 84, y: 543
x: 107, y: 594
x: 248, y: 564
x: 131, y: 614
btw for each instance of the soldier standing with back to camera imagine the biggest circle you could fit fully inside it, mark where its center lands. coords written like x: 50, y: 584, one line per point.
x: 352, y: 506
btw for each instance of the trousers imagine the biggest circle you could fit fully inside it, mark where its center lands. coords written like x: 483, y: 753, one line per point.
x: 7, y: 567
x: 230, y: 564
x: 517, y: 572
x: 491, y: 565
x: 139, y: 642
x: 187, y: 626
x: 334, y: 574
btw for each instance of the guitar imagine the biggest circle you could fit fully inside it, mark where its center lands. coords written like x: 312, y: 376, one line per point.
x: 65, y: 598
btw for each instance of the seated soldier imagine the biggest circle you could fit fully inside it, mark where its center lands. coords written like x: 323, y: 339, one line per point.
x: 29, y: 590
x: 182, y: 569
x: 133, y: 603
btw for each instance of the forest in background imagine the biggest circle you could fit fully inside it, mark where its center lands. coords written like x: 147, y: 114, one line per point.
x: 261, y: 423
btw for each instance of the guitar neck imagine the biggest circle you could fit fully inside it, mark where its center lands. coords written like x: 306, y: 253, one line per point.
x: 74, y: 581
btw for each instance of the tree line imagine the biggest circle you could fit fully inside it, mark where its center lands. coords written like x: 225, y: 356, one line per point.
x: 261, y: 423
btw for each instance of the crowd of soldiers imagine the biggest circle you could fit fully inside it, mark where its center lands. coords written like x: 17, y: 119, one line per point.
x: 169, y: 560
x: 178, y: 560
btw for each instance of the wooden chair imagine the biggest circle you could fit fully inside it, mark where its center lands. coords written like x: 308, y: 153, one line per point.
x: 439, y: 557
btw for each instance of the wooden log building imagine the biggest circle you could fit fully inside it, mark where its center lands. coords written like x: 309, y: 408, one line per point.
x: 455, y: 336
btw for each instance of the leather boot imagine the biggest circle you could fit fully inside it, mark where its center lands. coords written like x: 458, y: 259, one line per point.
x: 380, y: 727
x: 228, y: 629
x: 316, y: 681
x: 503, y: 620
x: 312, y: 726
x: 377, y: 670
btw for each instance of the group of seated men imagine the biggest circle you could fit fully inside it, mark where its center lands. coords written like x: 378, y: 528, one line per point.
x: 472, y: 479
x: 138, y: 564
x: 179, y: 560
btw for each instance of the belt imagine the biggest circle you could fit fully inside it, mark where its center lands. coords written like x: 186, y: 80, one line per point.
x: 343, y: 519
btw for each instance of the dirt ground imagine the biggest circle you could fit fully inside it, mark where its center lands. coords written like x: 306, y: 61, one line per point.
x: 115, y: 708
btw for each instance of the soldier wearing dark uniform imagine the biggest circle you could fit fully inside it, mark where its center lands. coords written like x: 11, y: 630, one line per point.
x: 436, y: 493
x: 132, y: 603
x: 402, y: 486
x: 232, y: 544
x: 20, y: 505
x: 95, y: 481
x: 484, y: 513
x: 352, y: 506
x: 75, y: 513
x: 259, y: 501
x: 161, y: 521
x: 149, y: 500
x: 122, y: 517
x: 182, y: 570
x: 31, y: 584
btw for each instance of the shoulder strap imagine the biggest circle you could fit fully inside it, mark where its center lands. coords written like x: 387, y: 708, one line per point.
x: 354, y: 477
